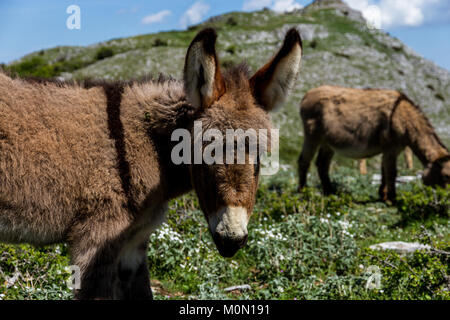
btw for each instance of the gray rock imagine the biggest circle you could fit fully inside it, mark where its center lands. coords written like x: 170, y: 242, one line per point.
x: 407, y: 179
x: 401, y: 247
x: 309, y: 32
x: 244, y: 287
x: 376, y: 178
x: 65, y: 76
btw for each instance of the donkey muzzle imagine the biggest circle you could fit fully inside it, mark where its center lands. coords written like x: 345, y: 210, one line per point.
x: 228, y: 227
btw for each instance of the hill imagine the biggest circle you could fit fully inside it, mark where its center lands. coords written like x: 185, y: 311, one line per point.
x: 339, y: 49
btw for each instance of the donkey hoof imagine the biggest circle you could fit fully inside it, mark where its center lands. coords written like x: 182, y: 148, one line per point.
x: 391, y: 202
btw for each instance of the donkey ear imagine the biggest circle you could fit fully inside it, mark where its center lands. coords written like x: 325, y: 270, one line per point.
x: 273, y: 82
x: 203, y: 82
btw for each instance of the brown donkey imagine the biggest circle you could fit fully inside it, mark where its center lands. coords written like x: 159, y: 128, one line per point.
x: 92, y: 166
x: 363, y: 123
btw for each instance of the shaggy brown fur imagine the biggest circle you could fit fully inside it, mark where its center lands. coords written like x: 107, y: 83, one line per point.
x: 91, y: 165
x: 363, y: 123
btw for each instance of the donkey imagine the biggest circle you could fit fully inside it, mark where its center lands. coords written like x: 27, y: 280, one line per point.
x: 91, y: 165
x: 360, y: 124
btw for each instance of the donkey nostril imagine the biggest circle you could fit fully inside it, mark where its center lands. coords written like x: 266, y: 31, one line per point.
x: 237, y: 243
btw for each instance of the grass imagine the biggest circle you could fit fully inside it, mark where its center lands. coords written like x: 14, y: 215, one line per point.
x: 301, y: 247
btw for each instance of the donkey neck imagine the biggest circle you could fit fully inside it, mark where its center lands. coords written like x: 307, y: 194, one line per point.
x: 161, y: 108
x: 423, y: 139
x: 175, y: 179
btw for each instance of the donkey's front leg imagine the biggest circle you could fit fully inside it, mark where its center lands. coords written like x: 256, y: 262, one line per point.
x: 389, y: 177
x: 134, y: 278
x: 95, y: 243
x: 323, y: 166
x: 98, y: 269
x: 310, y: 147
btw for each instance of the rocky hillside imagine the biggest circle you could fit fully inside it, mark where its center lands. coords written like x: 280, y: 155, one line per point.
x: 339, y: 50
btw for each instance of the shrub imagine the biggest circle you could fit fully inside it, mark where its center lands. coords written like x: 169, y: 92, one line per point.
x: 440, y: 96
x: 227, y: 64
x: 422, y: 275
x: 424, y: 202
x: 159, y: 43
x: 103, y: 53
x: 34, y: 67
x: 231, y: 22
x: 231, y: 49
x: 34, y: 273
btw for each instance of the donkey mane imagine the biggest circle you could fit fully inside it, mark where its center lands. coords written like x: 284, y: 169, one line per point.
x: 164, y: 107
x: 403, y: 97
x: 421, y: 114
x: 235, y: 73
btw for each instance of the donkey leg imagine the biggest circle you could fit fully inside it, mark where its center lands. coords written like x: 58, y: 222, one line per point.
x: 134, y: 277
x: 323, y: 163
x: 382, y: 191
x: 95, y: 244
x: 98, y: 267
x: 409, y: 158
x: 388, y: 192
x: 310, y: 147
x: 363, y: 167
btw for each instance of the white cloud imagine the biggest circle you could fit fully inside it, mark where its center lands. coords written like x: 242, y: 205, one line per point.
x: 194, y: 14
x: 275, y: 5
x: 395, y: 13
x: 251, y: 5
x: 156, y: 17
x: 285, y: 6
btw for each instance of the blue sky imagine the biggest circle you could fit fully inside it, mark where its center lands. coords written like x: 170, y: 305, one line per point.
x: 27, y: 25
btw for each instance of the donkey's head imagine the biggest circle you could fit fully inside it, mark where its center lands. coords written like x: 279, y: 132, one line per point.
x: 233, y: 101
x: 437, y: 173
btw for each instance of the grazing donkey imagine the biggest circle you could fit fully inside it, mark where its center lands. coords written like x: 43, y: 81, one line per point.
x: 91, y: 165
x: 363, y: 123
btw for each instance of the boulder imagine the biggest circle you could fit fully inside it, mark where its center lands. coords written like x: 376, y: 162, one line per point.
x: 401, y: 247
